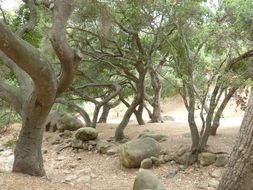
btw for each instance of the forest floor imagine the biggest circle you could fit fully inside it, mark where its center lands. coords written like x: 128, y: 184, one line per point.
x: 104, y: 172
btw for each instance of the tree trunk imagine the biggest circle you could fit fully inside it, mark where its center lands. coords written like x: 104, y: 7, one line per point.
x: 28, y: 156
x: 95, y: 116
x: 138, y: 114
x: 157, y: 87
x: 239, y: 172
x: 105, y: 113
x: 119, y: 133
x: 216, y: 120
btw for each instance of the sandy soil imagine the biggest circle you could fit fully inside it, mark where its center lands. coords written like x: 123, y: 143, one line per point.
x: 106, y: 172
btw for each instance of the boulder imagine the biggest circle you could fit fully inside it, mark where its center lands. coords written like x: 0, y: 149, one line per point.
x: 86, y: 134
x: 145, y: 179
x: 68, y: 122
x: 146, y: 163
x: 77, y: 144
x: 206, y: 158
x: 186, y: 159
x: 103, y: 146
x: 66, y: 134
x: 133, y: 152
x: 221, y: 161
x: 52, y: 119
x: 153, y: 135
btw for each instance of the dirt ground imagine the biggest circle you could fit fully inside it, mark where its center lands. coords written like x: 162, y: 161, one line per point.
x: 106, y: 172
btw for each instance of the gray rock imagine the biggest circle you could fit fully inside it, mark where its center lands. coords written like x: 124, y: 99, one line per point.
x: 52, y: 119
x: 216, y: 173
x: 103, y: 146
x: 168, y: 157
x: 181, y: 151
x: 1, y: 148
x: 146, y: 163
x: 213, y: 183
x: 153, y: 135
x: 112, y: 150
x: 133, y: 152
x: 86, y: 134
x: 57, y: 140
x: 68, y: 122
x: 145, y: 179
x: 70, y: 178
x: 221, y: 161
x: 206, y: 158
x: 171, y: 173
x: 186, y: 159
x: 84, y: 179
x: 168, y: 118
x: 84, y: 171
x: 155, y: 161
x: 76, y: 143
x: 66, y: 134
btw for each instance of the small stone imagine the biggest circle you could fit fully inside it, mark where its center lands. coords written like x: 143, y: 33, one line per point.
x: 70, y: 178
x: 60, y: 158
x: 2, y: 148
x: 57, y: 140
x: 155, y: 160
x: 78, y: 158
x: 83, y: 171
x: 93, y: 175
x: 84, y: 179
x: 206, y: 158
x: 7, y: 153
x: 213, y: 183
x: 85, y: 146
x: 182, y: 167
x: 94, y: 143
x: 66, y: 171
x: 221, y: 161
x: 216, y: 173
x: 181, y: 151
x: 44, y: 151
x: 168, y: 158
x: 112, y: 150
x: 171, y: 173
x: 201, y: 186
x: 146, y: 163
x: 173, y: 162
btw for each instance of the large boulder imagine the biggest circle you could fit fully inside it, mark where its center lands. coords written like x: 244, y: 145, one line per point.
x: 52, y: 119
x: 68, y: 122
x: 145, y: 179
x: 153, y: 135
x: 86, y: 134
x: 133, y: 152
x: 206, y: 158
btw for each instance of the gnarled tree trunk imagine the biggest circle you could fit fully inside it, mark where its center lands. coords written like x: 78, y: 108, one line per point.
x: 239, y: 172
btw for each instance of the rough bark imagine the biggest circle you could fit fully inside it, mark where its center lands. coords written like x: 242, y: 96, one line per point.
x: 218, y: 114
x: 34, y: 104
x: 106, y: 109
x: 239, y: 171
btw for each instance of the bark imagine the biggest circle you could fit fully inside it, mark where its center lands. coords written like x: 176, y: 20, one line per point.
x: 105, y: 113
x: 139, y: 113
x: 218, y: 114
x: 106, y: 109
x: 139, y: 99
x: 95, y: 116
x: 119, y: 133
x: 239, y: 171
x: 157, y: 87
x: 36, y: 102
